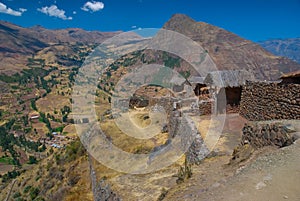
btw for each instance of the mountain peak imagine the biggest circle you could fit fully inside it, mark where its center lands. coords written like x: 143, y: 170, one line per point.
x: 38, y: 28
x: 181, y: 17
x: 178, y: 20
x: 229, y: 51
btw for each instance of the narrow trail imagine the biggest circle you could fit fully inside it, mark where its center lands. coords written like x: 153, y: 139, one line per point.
x: 93, y: 178
x: 11, y: 188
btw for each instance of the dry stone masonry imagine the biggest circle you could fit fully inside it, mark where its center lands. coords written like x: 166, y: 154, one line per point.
x: 260, y: 135
x: 267, y: 101
x: 183, y: 126
x: 256, y: 136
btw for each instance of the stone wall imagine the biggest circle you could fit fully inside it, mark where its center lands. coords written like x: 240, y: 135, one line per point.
x: 260, y: 135
x: 101, y: 190
x: 165, y: 102
x: 185, y: 128
x: 206, y: 107
x: 267, y: 101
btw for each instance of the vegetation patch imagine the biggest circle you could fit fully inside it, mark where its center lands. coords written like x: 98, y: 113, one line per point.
x: 7, y: 160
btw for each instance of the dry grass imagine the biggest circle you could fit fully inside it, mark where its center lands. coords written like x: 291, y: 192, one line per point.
x: 52, y: 102
x: 40, y: 128
x: 5, y: 168
x: 123, y: 141
x: 39, y: 176
x: 70, y: 130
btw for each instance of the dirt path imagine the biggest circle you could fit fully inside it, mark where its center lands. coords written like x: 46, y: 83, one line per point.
x: 271, y: 175
x: 11, y: 188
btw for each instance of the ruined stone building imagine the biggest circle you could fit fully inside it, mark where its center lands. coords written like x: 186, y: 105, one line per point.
x: 239, y: 92
x: 236, y: 91
x: 220, y: 91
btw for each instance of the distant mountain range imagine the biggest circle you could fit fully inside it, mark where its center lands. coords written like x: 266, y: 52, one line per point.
x: 228, y: 50
x: 18, y: 43
x: 289, y: 48
x: 22, y: 40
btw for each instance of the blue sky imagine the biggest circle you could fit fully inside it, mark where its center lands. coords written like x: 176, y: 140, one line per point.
x: 255, y: 20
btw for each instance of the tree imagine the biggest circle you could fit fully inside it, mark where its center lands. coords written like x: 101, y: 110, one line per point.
x: 43, y: 148
x: 65, y: 118
x: 50, y: 136
x: 44, y: 119
x: 25, y: 120
x: 32, y: 160
x: 33, y: 105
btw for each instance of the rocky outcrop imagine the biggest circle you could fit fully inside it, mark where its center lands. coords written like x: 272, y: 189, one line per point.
x: 267, y: 101
x: 104, y: 192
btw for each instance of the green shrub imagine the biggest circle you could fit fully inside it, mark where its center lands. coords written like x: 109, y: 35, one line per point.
x: 33, y: 105
x: 184, y: 172
x: 32, y: 160
x: 26, y: 189
x: 6, y: 160
x: 74, y: 150
x: 10, y: 175
x: 34, y: 192
x: 16, y: 195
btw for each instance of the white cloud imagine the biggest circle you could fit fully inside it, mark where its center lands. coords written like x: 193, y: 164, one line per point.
x: 93, y: 6
x: 74, y: 12
x: 133, y: 27
x: 9, y: 11
x: 53, y: 11
x: 22, y: 10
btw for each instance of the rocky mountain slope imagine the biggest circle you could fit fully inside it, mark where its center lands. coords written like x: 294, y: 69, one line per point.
x: 227, y: 50
x: 289, y: 48
x: 230, y: 51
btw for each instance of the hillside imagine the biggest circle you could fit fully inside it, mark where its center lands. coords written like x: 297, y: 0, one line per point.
x: 227, y: 50
x: 289, y: 47
x: 17, y: 44
x: 230, y: 51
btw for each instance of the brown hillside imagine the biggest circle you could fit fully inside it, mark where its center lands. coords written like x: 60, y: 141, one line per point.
x: 17, y: 44
x: 230, y: 51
